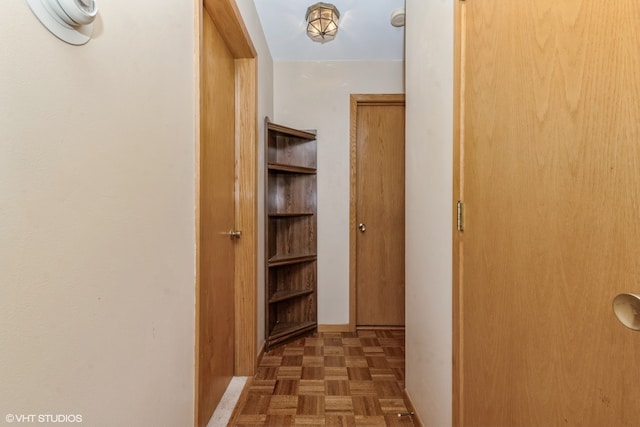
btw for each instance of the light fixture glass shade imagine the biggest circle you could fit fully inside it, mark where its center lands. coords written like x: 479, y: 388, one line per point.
x: 322, y: 22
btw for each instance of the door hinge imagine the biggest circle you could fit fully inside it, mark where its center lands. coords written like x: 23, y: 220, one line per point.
x: 460, y: 216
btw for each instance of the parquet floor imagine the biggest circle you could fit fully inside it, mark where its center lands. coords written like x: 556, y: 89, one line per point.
x: 329, y: 379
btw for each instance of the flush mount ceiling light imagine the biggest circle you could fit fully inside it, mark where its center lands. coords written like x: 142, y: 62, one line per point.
x: 322, y: 22
x: 69, y: 20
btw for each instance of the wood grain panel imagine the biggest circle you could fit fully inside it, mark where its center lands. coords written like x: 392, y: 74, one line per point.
x: 380, y: 206
x: 551, y: 170
x: 246, y: 272
x: 227, y: 18
x: 215, y: 363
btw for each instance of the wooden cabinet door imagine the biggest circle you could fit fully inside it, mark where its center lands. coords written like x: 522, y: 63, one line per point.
x: 550, y: 178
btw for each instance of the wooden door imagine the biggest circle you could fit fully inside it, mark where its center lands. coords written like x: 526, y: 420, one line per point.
x: 379, y: 210
x: 217, y: 212
x: 550, y: 177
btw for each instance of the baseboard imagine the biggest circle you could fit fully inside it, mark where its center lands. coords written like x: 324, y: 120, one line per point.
x: 380, y: 328
x: 333, y: 328
x: 412, y: 408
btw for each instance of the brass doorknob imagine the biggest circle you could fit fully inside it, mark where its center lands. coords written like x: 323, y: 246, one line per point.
x: 362, y: 227
x: 234, y: 234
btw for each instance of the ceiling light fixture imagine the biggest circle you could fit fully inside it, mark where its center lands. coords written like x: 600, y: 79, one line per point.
x: 322, y: 22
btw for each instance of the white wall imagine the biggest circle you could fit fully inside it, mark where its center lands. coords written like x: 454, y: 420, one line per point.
x: 265, y: 108
x: 97, y: 264
x: 429, y: 138
x: 315, y: 95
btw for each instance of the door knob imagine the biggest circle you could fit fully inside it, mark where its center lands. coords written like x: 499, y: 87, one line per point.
x: 234, y: 234
x: 362, y: 227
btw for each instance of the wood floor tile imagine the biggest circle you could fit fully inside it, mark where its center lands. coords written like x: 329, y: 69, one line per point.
x: 367, y: 421
x: 283, y: 405
x: 340, y: 420
x: 311, y: 387
x: 304, y: 420
x: 280, y: 420
x: 392, y: 406
x: 375, y: 350
x: 289, y: 372
x: 338, y: 405
x: 292, y: 360
x: 312, y: 373
x: 351, y: 342
x: 315, y: 341
x: 337, y: 388
x: 387, y: 388
x: 377, y: 361
x: 313, y: 361
x: 256, y: 404
x: 335, y: 373
x: 329, y: 379
x: 313, y: 351
x: 333, y: 351
x: 359, y: 373
x: 293, y: 351
x: 262, y: 386
x: 286, y: 387
x: 311, y: 405
x: 362, y: 388
x: 271, y: 361
x: 334, y: 361
x: 366, y: 405
x: 356, y: 362
x: 267, y: 373
x: 382, y: 374
x: 332, y: 341
x: 251, y: 420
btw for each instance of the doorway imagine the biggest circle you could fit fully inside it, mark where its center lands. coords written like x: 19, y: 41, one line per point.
x: 547, y: 168
x: 377, y: 211
x: 226, y: 269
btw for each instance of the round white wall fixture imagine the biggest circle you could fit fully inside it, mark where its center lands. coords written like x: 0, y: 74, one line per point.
x: 397, y: 17
x: 69, y: 20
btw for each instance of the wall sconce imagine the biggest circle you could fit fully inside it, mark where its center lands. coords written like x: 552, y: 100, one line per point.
x: 69, y: 20
x: 322, y: 22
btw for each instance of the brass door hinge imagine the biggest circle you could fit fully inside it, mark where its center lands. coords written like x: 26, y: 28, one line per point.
x: 460, y: 216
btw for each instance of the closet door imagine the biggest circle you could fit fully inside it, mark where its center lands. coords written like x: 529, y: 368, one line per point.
x: 550, y: 179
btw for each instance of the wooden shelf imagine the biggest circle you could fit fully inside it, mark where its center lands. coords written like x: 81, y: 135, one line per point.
x: 291, y: 227
x: 309, y: 136
x: 285, y: 295
x: 289, y: 214
x: 285, y: 329
x: 281, y: 260
x: 285, y: 168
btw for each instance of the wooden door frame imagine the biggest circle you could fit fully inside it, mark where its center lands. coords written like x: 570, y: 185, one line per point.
x: 228, y: 21
x: 458, y: 194
x: 357, y: 100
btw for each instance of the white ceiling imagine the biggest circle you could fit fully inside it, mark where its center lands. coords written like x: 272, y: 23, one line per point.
x: 364, y: 33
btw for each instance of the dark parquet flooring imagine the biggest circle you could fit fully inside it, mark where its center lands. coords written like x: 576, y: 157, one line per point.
x: 329, y: 379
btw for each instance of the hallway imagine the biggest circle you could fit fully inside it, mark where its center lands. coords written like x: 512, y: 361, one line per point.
x: 332, y: 379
